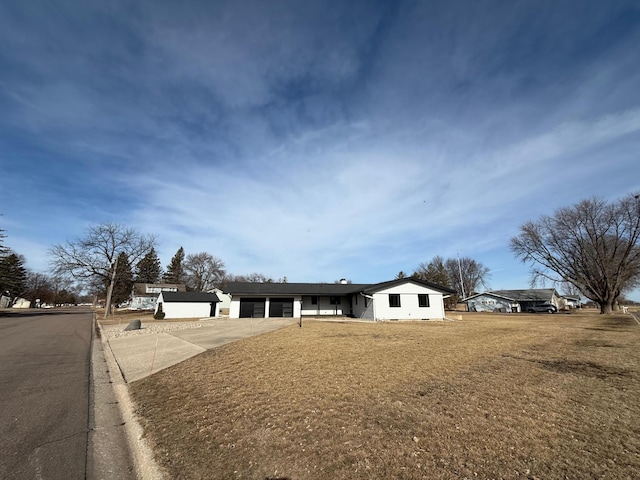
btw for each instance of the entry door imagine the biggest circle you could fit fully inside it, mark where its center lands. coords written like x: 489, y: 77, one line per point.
x: 252, y: 308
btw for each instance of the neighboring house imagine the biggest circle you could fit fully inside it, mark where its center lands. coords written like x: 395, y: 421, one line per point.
x: 402, y: 299
x: 188, y: 304
x: 225, y: 302
x: 570, y: 302
x: 145, y: 295
x: 512, y: 300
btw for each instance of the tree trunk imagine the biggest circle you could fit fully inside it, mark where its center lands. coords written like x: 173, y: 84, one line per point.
x: 606, y: 308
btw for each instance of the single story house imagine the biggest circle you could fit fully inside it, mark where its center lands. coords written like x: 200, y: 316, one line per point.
x: 145, y: 295
x: 401, y: 299
x: 512, y: 300
x: 188, y: 304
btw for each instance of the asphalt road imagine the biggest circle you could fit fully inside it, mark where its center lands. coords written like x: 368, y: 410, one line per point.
x: 45, y: 364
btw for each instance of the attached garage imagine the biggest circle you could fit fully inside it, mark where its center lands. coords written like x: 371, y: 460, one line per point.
x: 252, y: 307
x: 281, y: 307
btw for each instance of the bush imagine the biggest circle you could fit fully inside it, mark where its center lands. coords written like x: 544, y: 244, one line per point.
x: 159, y: 315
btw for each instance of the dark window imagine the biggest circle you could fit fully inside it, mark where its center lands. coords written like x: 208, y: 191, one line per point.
x: 423, y: 300
x: 334, y: 300
x: 394, y: 300
x: 314, y: 300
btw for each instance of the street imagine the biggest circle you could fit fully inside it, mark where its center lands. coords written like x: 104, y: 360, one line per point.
x: 45, y: 362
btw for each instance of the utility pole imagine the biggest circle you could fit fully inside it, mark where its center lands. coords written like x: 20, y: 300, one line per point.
x: 107, y: 307
x: 464, y: 295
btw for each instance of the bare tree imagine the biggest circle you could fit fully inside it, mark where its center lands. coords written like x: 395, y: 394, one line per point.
x: 592, y: 245
x: 93, y: 256
x: 467, y: 275
x: 203, y: 271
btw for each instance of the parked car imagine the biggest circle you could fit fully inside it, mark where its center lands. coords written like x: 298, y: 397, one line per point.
x: 543, y: 308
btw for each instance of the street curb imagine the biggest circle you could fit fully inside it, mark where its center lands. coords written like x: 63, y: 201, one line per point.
x: 143, y: 459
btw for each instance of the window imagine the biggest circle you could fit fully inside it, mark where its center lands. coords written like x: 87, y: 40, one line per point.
x: 314, y: 300
x: 423, y: 300
x: 334, y: 300
x: 394, y: 300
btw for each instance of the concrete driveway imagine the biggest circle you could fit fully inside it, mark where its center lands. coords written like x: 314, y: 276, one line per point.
x: 156, y: 346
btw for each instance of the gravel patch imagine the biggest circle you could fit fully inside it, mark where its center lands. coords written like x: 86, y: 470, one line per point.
x: 112, y: 331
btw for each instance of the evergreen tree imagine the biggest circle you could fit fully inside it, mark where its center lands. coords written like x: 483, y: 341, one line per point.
x: 149, y: 268
x: 124, y: 280
x: 13, y: 274
x: 435, y: 272
x: 175, y: 270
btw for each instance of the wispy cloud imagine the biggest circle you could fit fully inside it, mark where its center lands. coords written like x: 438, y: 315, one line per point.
x: 318, y: 139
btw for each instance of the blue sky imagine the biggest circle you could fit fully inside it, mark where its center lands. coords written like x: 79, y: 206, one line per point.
x: 315, y: 140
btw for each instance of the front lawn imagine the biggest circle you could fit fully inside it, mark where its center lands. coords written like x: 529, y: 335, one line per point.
x: 488, y: 396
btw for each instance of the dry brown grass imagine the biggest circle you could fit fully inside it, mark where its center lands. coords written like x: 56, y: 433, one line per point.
x: 490, y: 396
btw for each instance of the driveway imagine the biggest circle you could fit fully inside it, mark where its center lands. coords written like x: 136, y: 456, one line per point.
x: 156, y: 345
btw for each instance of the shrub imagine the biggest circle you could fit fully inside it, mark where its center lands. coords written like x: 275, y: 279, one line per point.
x: 159, y: 315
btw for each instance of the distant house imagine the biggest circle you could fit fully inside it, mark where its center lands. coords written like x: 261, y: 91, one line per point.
x: 402, y: 299
x: 188, y: 304
x: 512, y: 300
x: 225, y: 302
x: 145, y: 295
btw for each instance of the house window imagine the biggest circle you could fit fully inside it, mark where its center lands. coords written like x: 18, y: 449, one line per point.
x: 334, y: 300
x: 394, y: 300
x: 423, y: 300
x: 314, y: 300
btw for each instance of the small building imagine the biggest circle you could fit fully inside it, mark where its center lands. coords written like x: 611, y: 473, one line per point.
x: 401, y: 299
x: 145, y: 295
x: 188, y: 304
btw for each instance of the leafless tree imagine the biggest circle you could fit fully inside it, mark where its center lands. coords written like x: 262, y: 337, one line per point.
x: 467, y: 275
x: 92, y: 257
x: 593, y: 245
x: 203, y: 271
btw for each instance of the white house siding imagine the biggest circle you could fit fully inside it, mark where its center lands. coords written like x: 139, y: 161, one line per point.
x: 409, y: 309
x: 363, y: 307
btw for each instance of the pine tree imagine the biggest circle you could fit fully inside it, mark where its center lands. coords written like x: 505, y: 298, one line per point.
x: 123, y: 281
x: 175, y: 270
x: 13, y: 274
x: 149, y: 268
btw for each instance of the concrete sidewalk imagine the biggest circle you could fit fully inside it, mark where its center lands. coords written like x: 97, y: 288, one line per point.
x: 160, y: 345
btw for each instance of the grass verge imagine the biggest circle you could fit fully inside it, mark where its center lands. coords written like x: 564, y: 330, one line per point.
x: 490, y: 396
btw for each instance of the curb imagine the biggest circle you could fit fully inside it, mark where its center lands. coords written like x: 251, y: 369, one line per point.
x: 143, y: 459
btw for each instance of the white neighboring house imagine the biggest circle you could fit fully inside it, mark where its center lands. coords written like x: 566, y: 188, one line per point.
x: 224, y: 304
x: 402, y: 299
x: 188, y: 304
x: 145, y: 295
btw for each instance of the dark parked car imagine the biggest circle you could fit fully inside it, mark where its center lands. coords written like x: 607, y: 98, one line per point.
x: 543, y: 308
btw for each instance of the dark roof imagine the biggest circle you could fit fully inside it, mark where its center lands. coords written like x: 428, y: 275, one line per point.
x: 190, y: 297
x: 399, y: 281
x: 271, y: 288
x: 320, y: 289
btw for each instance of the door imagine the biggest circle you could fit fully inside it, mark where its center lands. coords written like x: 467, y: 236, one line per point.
x: 281, y: 307
x: 252, y: 308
